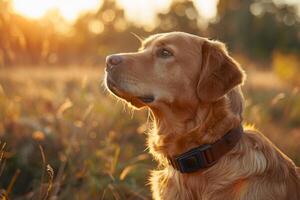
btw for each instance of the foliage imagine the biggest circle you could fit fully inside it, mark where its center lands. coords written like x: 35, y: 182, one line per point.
x: 255, y: 28
x: 258, y: 28
x: 82, y: 138
x: 182, y: 16
x: 66, y: 138
x: 287, y: 67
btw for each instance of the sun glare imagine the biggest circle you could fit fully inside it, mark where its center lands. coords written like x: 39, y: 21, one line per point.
x: 142, y: 12
x: 207, y: 9
x: 70, y: 10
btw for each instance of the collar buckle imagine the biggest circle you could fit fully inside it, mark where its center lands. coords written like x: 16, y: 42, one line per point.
x: 195, y: 159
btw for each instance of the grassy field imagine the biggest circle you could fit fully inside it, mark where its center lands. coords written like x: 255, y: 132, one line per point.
x: 63, y: 137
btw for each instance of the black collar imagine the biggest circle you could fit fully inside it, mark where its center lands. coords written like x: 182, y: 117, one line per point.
x: 206, y: 155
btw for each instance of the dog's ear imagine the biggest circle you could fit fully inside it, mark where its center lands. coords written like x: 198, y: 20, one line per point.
x: 219, y: 72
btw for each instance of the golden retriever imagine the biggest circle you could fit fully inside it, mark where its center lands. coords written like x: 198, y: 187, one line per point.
x: 192, y: 87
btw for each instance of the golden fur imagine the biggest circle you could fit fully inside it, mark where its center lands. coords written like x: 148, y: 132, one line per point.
x: 197, y: 99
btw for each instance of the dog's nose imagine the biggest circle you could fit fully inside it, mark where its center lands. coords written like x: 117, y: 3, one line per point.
x: 113, y: 60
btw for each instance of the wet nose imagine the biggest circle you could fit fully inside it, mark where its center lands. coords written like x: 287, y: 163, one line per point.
x: 113, y: 60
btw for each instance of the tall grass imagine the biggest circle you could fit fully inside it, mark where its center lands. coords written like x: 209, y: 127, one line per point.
x: 63, y: 137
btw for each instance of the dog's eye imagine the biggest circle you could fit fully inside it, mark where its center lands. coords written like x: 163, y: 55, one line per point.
x: 164, y: 53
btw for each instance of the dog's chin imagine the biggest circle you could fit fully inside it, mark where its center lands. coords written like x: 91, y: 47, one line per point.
x: 137, y: 101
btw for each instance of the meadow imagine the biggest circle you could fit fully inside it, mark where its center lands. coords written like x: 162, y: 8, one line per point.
x: 62, y: 136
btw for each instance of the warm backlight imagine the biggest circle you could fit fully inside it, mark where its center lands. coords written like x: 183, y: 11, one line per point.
x: 69, y: 9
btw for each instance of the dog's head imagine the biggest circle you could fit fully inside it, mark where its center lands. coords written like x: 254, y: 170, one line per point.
x: 173, y: 69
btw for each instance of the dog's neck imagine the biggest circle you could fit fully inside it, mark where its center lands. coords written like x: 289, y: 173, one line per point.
x: 179, y: 131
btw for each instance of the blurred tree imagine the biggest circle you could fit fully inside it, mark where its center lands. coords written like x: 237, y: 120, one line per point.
x: 98, y: 34
x: 258, y: 28
x: 182, y: 16
x: 104, y: 32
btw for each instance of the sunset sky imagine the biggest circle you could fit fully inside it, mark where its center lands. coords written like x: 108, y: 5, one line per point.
x: 139, y: 11
x: 70, y: 10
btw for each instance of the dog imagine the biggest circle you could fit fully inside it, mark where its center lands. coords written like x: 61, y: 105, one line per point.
x: 192, y: 87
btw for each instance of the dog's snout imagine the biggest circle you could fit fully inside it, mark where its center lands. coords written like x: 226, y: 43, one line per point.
x: 113, y: 60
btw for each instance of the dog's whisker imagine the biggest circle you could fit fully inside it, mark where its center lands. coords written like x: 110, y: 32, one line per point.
x: 140, y: 39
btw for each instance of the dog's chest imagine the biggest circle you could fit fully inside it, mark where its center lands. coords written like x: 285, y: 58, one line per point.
x: 171, y: 185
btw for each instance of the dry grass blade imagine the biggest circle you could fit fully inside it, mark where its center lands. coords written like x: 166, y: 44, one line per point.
x: 66, y: 105
x: 88, y: 111
x: 137, y: 195
x: 12, y: 182
x: 139, y: 158
x: 2, y: 161
x: 1, y: 90
x: 44, y: 168
x: 103, y: 194
x: 3, y: 195
x: 126, y: 171
x: 115, y: 160
x: 42, y: 154
x: 84, y: 82
x: 277, y: 98
x: 114, y: 192
x: 60, y: 173
x: 2, y: 166
x: 58, y: 180
x: 50, y: 173
x: 2, y: 151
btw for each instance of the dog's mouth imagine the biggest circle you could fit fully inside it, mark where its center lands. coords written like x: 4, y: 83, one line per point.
x: 112, y: 87
x: 137, y: 101
x: 146, y: 99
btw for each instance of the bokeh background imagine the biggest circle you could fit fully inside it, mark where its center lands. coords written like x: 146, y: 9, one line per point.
x: 63, y: 137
